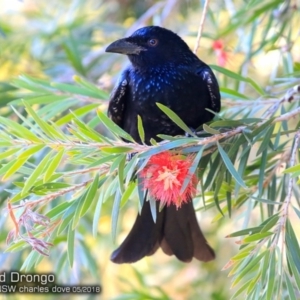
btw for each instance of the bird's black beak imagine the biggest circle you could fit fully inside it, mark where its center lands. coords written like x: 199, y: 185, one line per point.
x: 123, y: 46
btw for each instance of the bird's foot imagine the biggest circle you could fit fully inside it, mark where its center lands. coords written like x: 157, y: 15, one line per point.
x: 129, y: 156
x: 193, y: 130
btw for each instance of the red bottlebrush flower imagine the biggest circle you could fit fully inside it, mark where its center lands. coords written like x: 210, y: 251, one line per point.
x: 221, y: 54
x: 164, y: 176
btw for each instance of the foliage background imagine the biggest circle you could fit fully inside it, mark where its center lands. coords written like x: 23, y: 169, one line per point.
x: 44, y: 42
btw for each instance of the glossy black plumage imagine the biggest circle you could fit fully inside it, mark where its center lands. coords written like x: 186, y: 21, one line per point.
x: 163, y: 69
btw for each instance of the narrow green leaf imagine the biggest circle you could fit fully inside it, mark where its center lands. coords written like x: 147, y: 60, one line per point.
x: 266, y: 140
x: 210, y: 130
x: 35, y: 174
x: 230, y: 166
x: 152, y: 203
x: 12, y: 167
x: 71, y: 242
x: 246, y: 231
x: 57, y: 210
x: 192, y: 170
x: 261, y: 177
x: 55, y: 162
x: 117, y: 149
x: 141, y: 192
x: 30, y: 151
x: 271, y: 277
x: 256, y: 237
x: 292, y: 169
x: 253, y: 264
x: 78, y: 112
x: 115, y: 215
x: 114, y: 128
x: 97, y: 212
x: 175, y: 118
x: 90, y: 196
x: 226, y: 92
x: 50, y: 131
x: 239, y: 78
x: 271, y: 222
x: 241, y: 290
x: 292, y: 245
x: 290, y: 287
x: 295, y: 272
x: 90, y: 87
x: 8, y: 153
x: 141, y: 129
x: 19, y: 130
x: 121, y: 174
x: 127, y: 193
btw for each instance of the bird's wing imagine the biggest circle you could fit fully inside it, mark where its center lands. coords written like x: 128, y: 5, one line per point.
x: 209, y: 78
x: 117, y: 100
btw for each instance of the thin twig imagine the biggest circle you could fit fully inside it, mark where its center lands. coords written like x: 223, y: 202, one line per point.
x: 288, y: 97
x: 200, y: 29
x: 53, y: 196
x: 142, y: 148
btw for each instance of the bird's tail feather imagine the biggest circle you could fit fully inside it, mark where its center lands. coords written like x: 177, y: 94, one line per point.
x: 142, y: 240
x: 176, y: 231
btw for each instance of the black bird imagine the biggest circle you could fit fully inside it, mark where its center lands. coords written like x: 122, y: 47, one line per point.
x: 163, y: 70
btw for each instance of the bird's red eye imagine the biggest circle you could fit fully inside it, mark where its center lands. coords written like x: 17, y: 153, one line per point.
x: 152, y: 42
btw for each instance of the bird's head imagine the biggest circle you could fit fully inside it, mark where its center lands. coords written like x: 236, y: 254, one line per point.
x: 152, y: 46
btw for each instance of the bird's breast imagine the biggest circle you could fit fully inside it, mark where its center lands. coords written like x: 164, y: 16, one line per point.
x: 182, y: 92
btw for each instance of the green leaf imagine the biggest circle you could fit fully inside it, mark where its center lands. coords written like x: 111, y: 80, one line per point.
x: 19, y: 130
x: 271, y: 277
x: 55, y: 162
x: 35, y: 174
x: 141, y: 128
x: 30, y: 151
x: 253, y: 264
x: 256, y: 237
x: 226, y: 92
x: 97, y: 213
x: 90, y: 87
x: 271, y: 222
x: 8, y: 153
x: 12, y: 167
x: 71, y: 48
x: 115, y: 214
x: 239, y: 78
x: 71, y: 242
x: 292, y: 245
x: 116, y: 150
x: 127, y: 193
x: 192, y: 170
x: 59, y: 209
x: 291, y: 289
x: 49, y: 130
x: 210, y: 130
x: 250, y: 230
x: 90, y: 196
x: 175, y: 118
x: 114, y: 128
x: 77, y: 112
x: 153, y: 210
x: 292, y: 169
x: 230, y: 167
x: 121, y: 173
x: 266, y: 140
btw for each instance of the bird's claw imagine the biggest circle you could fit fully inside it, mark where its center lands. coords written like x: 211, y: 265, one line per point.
x: 194, y: 131
x: 130, y: 155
